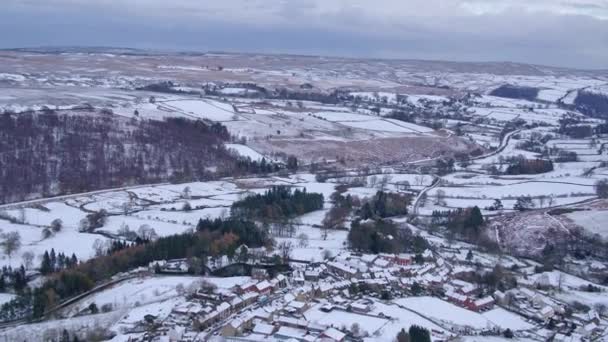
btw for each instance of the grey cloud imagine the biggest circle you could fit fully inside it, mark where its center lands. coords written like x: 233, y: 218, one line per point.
x: 403, y: 29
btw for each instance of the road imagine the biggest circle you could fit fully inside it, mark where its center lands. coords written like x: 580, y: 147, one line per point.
x: 503, y: 144
x: 64, y: 197
x: 435, y: 183
x: 68, y: 302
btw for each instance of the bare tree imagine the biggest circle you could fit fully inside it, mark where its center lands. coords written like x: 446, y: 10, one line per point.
x: 285, y: 248
x: 440, y: 197
x: 551, y: 201
x: 11, y: 243
x: 303, y: 240
x: 22, y: 216
x: 419, y: 180
x: 384, y: 181
x: 28, y: 258
x: 146, y: 232
x: 99, y: 247
x: 373, y: 180
x: 542, y: 199
x: 186, y: 193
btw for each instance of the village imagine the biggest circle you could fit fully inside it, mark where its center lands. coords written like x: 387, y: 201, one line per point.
x: 351, y: 297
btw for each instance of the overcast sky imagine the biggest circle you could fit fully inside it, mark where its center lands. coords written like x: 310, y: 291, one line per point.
x: 570, y: 33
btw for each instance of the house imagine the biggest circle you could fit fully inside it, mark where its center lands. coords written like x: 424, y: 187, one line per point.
x: 382, y: 262
x: 457, y: 298
x: 482, y: 304
x: 369, y: 258
x: 176, y: 333
x: 179, y: 266
x: 333, y: 335
x: 547, y: 312
x: 188, y: 309
x: 292, y: 322
x: 264, y: 329
x: 564, y: 338
x: 279, y: 282
x: 233, y: 328
x: 360, y: 307
x: 312, y: 275
x: 223, y: 310
x: 500, y: 297
x: 342, y: 269
x: 588, y: 329
x: 464, y: 287
x: 324, y: 289
x: 263, y: 287
x: 288, y: 333
x: 247, y: 287
x: 208, y: 320
x: 298, y: 306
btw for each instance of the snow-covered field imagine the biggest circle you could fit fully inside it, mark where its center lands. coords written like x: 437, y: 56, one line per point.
x: 594, y: 221
x: 444, y: 311
x: 245, y: 151
x: 158, y: 207
x: 204, y: 109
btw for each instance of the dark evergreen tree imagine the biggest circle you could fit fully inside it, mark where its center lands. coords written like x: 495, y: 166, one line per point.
x: 419, y: 334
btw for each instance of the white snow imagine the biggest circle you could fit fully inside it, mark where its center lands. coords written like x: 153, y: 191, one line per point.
x: 444, y: 311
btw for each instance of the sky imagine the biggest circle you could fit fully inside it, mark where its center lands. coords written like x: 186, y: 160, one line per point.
x: 569, y: 33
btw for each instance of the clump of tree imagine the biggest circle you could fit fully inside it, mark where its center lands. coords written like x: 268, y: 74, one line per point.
x: 566, y: 157
x: 592, y: 103
x: 524, y: 203
x: 247, y: 231
x: 383, y: 236
x: 246, y: 164
x: 465, y: 222
x: 385, y: 204
x: 277, y: 203
x: 13, y: 277
x: 601, y: 188
x: 444, y: 166
x: 402, y: 116
x: 93, y: 221
x: 414, y: 334
x: 52, y: 262
x: 522, y: 166
x: 516, y: 92
x: 336, y: 216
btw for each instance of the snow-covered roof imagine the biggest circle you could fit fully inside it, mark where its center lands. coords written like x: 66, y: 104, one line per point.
x: 297, y: 305
x: 263, y: 285
x: 484, y: 301
x: 342, y: 267
x: 546, y: 310
x: 290, y: 332
x: 223, y: 307
x: 334, y: 334
x: 263, y: 328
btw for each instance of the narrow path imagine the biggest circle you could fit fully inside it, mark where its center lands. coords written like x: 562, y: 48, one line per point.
x: 503, y: 144
x: 435, y: 183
